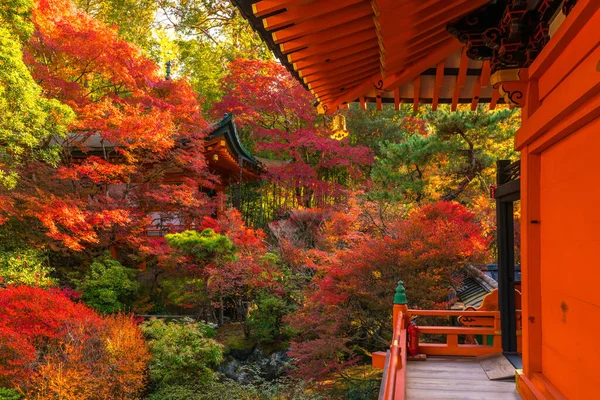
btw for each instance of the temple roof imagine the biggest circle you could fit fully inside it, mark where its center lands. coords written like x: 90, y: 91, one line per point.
x: 373, y: 51
x: 225, y: 151
x: 400, y: 51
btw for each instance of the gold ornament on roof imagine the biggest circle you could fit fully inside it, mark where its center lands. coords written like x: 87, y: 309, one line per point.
x: 338, y: 126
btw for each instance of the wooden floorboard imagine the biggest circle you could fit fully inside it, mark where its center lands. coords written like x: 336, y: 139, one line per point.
x: 449, y: 378
x: 496, y: 366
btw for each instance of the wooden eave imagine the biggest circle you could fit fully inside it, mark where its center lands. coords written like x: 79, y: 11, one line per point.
x: 381, y: 51
x: 224, y: 142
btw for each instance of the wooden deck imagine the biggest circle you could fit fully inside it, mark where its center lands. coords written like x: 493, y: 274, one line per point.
x: 454, y: 378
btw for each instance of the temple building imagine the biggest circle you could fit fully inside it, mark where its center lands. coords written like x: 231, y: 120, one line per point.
x: 226, y: 157
x: 542, y: 56
x: 228, y: 160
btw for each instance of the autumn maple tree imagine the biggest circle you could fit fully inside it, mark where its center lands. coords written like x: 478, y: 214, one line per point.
x: 220, y: 265
x: 276, y: 117
x: 346, y: 309
x: 51, y: 346
x: 132, y: 129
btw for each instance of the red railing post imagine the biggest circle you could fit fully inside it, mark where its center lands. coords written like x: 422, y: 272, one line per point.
x: 400, y: 305
x: 394, y: 386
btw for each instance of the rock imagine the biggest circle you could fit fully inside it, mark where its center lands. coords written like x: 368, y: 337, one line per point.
x: 241, y: 354
x: 255, y: 366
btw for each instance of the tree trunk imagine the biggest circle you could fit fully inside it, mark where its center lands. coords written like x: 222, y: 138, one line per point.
x: 221, y: 320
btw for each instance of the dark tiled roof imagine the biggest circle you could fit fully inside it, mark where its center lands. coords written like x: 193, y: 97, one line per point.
x: 491, y: 270
x: 473, y: 286
x: 227, y: 129
x: 471, y: 292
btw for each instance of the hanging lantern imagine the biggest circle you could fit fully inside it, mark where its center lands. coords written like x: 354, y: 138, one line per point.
x: 338, y: 126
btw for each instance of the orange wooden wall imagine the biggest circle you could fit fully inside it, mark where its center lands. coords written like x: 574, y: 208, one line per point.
x: 570, y: 260
x: 560, y: 191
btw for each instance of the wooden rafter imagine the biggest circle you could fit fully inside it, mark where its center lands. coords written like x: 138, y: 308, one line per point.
x: 350, y: 72
x: 460, y: 78
x: 483, y: 81
x: 439, y: 82
x: 332, y: 33
x: 305, y: 13
x: 413, y: 54
x: 437, y: 15
x: 343, y: 81
x: 266, y: 7
x: 340, y: 44
x: 495, y: 97
x: 336, y: 67
x: 334, y: 89
x: 462, y: 68
x: 484, y: 78
x: 335, y: 55
x: 358, y: 90
x: 347, y: 15
x: 433, y: 57
x: 436, y: 31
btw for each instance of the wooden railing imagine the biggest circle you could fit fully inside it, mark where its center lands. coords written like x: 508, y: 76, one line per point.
x: 393, y: 384
x: 474, y: 323
x: 159, y: 231
x: 452, y: 347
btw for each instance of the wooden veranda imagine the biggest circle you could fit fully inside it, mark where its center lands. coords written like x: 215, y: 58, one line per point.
x: 450, y: 370
x: 446, y: 378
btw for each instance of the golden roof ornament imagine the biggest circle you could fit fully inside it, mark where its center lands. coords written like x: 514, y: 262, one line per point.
x: 338, y: 126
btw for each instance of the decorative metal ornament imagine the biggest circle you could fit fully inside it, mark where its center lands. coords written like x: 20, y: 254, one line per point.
x: 322, y: 108
x: 338, y: 126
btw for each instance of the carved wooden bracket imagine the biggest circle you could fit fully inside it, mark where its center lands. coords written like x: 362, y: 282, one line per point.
x: 509, y: 33
x: 512, y: 85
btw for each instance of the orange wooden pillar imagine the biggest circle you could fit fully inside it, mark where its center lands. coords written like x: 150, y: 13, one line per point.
x: 560, y: 219
x: 221, y: 200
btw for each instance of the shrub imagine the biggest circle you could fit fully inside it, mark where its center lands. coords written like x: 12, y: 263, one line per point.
x: 9, y: 394
x: 108, y: 286
x: 25, y: 267
x: 266, y: 320
x: 211, y: 391
x: 126, y: 355
x: 33, y: 322
x: 283, y: 388
x: 182, y: 352
x: 205, y: 245
x: 51, y: 347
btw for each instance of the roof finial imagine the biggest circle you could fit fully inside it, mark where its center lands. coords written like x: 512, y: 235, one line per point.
x: 400, y: 296
x: 168, y: 65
